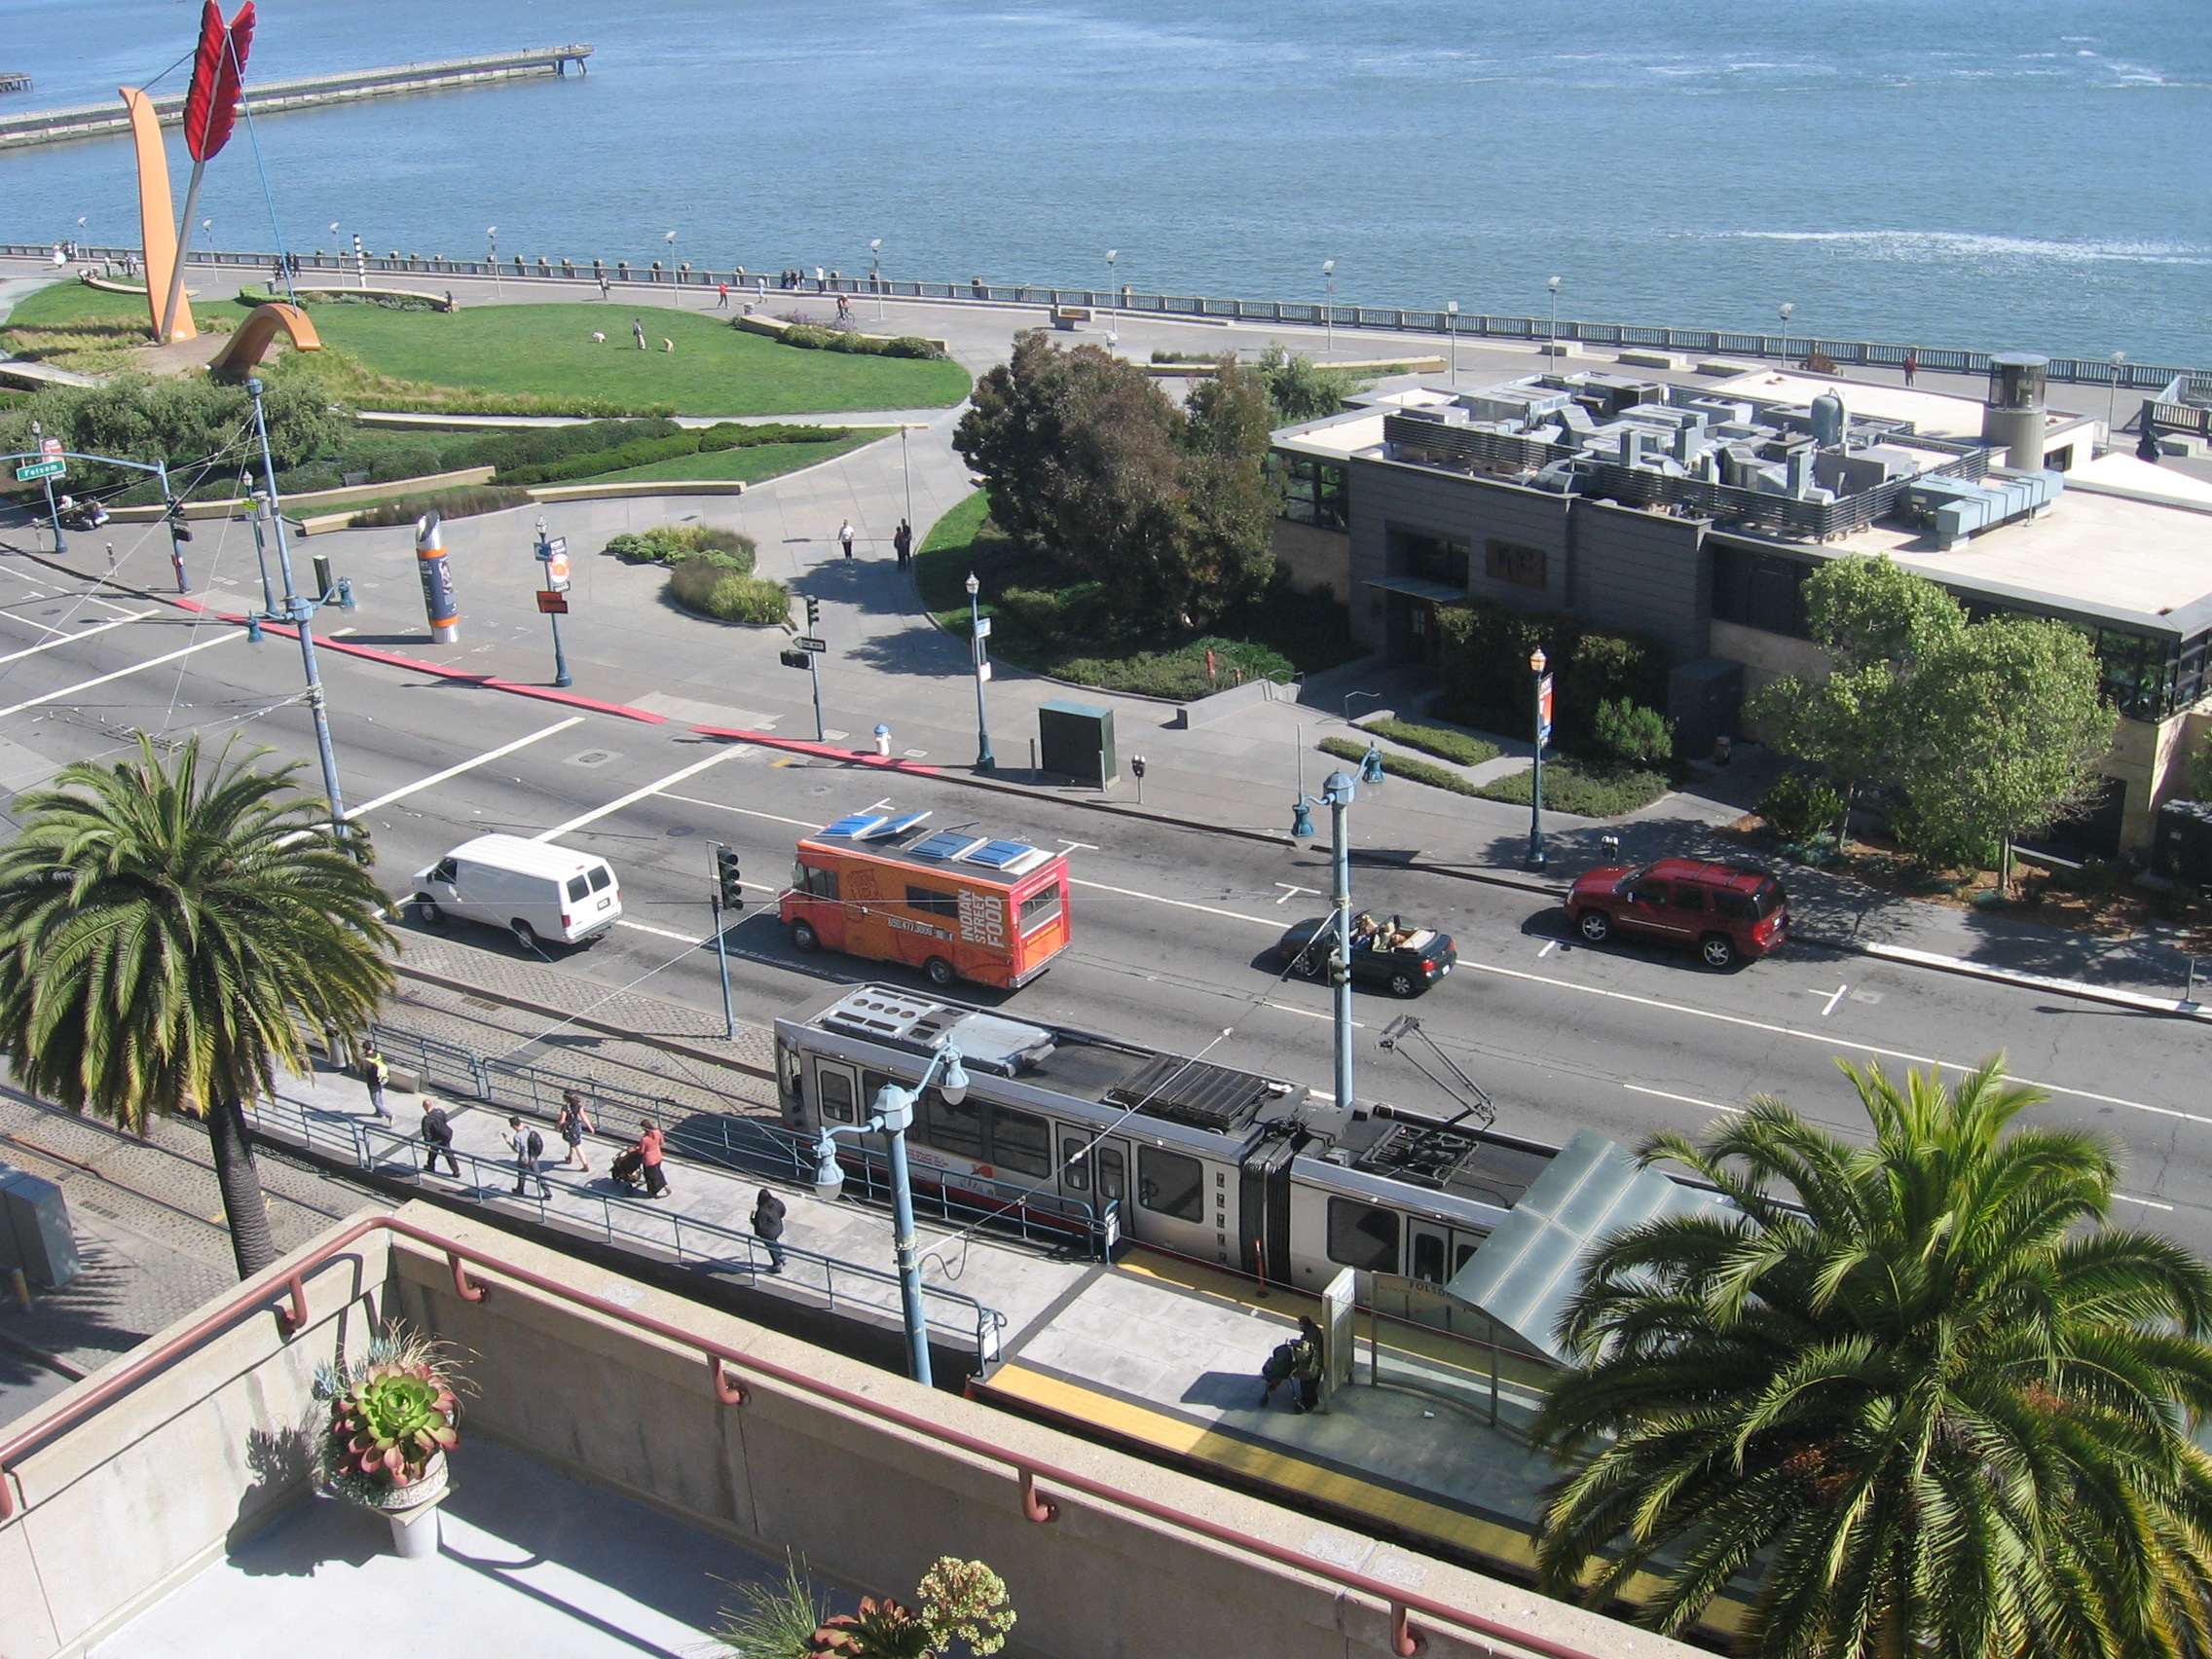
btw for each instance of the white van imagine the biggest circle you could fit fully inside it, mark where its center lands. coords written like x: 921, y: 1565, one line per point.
x: 533, y: 890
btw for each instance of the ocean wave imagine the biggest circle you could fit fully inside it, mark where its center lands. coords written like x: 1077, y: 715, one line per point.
x: 1937, y: 247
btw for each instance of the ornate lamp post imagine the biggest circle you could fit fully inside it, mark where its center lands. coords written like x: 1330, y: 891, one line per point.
x: 1536, y: 664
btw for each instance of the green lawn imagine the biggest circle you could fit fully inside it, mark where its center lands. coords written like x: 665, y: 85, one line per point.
x: 547, y: 350
x: 755, y: 465
x: 65, y: 304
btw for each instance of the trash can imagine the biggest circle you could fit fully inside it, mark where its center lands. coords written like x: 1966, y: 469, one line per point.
x: 1076, y: 741
x: 34, y: 1229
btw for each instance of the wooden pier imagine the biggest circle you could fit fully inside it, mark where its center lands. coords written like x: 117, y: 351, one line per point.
x: 12, y: 81
x: 307, y: 92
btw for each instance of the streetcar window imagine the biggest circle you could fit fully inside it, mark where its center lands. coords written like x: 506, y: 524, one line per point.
x: 1171, y: 1184
x: 954, y: 1128
x: 1074, y: 1165
x: 1020, y: 1140
x: 836, y: 1090
x: 1363, y: 1236
x: 1462, y: 1255
x: 1429, y: 1257
x: 1040, y: 908
x: 788, y: 1073
x: 930, y: 900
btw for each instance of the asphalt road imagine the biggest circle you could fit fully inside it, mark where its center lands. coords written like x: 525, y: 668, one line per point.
x: 1172, y: 927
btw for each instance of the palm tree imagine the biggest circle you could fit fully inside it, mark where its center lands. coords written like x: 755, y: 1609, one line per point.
x: 1915, y: 1393
x: 167, y: 930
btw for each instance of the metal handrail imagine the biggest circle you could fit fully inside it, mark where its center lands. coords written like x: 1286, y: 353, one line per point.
x: 282, y: 1290
x: 621, y: 1219
x: 1722, y: 342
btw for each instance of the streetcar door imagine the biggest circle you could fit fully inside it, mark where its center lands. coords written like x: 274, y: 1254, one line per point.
x: 836, y: 1093
x: 1430, y: 1252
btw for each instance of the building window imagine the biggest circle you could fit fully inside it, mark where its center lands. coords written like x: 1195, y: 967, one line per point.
x: 1363, y: 1236
x: 1428, y: 558
x: 1314, y: 492
x: 1171, y: 1184
x: 1759, y: 590
x: 1523, y: 566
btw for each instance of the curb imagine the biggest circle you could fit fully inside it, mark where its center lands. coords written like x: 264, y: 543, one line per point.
x: 2169, y: 1008
x: 605, y: 1028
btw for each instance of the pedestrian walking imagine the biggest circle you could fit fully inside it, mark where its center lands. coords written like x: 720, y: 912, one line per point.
x: 1305, y: 1366
x: 762, y: 287
x: 902, y: 543
x: 820, y: 285
x: 845, y: 537
x: 639, y: 329
x: 604, y: 291
x: 722, y: 296
x: 1911, y: 366
x: 528, y: 1146
x: 768, y: 1228
x: 572, y: 1124
x: 376, y: 1074
x: 437, y: 1139
x: 648, y: 1151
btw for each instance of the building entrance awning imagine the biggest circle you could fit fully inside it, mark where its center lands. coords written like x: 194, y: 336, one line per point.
x: 1418, y: 587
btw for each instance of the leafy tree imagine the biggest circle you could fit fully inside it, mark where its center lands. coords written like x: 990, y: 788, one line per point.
x: 1917, y: 1389
x: 1628, y: 734
x: 167, y: 928
x: 1301, y: 389
x: 1087, y: 460
x: 1877, y: 622
x: 2013, y: 725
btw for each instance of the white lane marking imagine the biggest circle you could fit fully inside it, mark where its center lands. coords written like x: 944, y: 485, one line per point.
x: 223, y: 639
x: 745, y: 811
x: 1070, y: 846
x: 1905, y: 1055
x: 1835, y: 996
x: 637, y: 796
x: 60, y: 637
x: 1179, y: 903
x: 1290, y: 892
x: 2147, y: 1203
x: 664, y: 933
x: 455, y: 771
x: 1685, y: 1099
x: 1550, y: 945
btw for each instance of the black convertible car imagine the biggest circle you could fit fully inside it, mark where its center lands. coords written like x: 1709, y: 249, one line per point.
x: 1403, y: 959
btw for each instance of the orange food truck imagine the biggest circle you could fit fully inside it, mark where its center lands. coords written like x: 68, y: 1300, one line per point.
x: 955, y: 904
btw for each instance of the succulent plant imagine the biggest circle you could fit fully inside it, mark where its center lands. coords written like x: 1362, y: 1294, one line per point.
x: 881, y: 1630
x: 393, y: 1420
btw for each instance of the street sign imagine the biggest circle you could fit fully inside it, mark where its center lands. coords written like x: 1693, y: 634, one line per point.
x: 551, y: 604
x: 982, y: 671
x: 50, y: 446
x: 1543, y: 710
x: 556, y: 547
x: 808, y: 642
x: 37, y: 469
x: 557, y: 571
x: 982, y: 627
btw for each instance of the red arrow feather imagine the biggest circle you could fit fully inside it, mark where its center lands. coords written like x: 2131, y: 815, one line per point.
x: 211, y: 108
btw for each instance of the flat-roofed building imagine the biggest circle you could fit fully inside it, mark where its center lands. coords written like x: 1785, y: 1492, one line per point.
x: 1693, y: 513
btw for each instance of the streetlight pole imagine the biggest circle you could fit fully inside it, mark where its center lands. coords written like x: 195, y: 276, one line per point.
x: 875, y: 273
x: 670, y: 238
x: 893, y: 1115
x: 1785, y: 309
x: 2111, y: 401
x: 907, y: 471
x: 1543, y: 685
x: 547, y: 553
x: 492, y: 240
x: 1337, y: 791
x: 1112, y: 294
x: 978, y: 631
x: 52, y: 511
x: 1329, y: 308
x: 1452, y: 327
x: 1553, y: 285
x: 300, y: 613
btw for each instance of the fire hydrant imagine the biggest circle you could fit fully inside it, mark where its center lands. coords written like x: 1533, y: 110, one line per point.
x: 883, y: 742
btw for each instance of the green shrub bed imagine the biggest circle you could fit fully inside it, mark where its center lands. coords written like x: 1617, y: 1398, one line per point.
x: 1587, y: 793
x: 645, y: 450
x: 1181, y: 672
x: 1482, y: 656
x: 673, y: 544
x: 721, y: 585
x: 808, y: 337
x: 1433, y: 740
x: 466, y: 501
x: 1401, y: 765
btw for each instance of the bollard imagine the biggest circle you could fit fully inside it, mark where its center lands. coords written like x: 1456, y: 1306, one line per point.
x: 21, y: 1286
x: 883, y: 741
x: 438, y: 602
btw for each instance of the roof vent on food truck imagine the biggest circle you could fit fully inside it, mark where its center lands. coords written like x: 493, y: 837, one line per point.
x: 854, y: 826
x: 947, y: 844
x: 1008, y: 858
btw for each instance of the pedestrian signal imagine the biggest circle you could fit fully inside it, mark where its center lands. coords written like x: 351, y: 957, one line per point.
x: 794, y: 659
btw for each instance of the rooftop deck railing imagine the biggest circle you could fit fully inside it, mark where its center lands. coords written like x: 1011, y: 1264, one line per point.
x: 731, y: 1374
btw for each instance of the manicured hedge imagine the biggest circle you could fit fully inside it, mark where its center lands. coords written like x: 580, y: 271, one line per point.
x: 645, y: 450
x: 1586, y: 794
x: 1401, y: 766
x: 466, y: 501
x: 1433, y: 740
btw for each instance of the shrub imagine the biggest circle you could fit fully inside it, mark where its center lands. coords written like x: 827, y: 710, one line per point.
x: 911, y: 346
x: 1180, y: 673
x: 409, y: 463
x: 1483, y: 659
x: 1798, y: 806
x: 1587, y: 794
x: 1400, y: 766
x: 717, y: 585
x: 672, y: 543
x: 1628, y: 734
x: 466, y: 501
x: 1433, y: 740
x: 808, y: 338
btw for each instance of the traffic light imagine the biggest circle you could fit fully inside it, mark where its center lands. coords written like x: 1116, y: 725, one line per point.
x: 175, y: 516
x: 794, y: 659
x: 731, y: 889
x: 813, y: 613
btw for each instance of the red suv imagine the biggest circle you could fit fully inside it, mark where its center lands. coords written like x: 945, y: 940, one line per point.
x: 1727, y: 911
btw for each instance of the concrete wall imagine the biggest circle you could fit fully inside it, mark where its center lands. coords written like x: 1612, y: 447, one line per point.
x: 1313, y: 558
x: 157, y: 1484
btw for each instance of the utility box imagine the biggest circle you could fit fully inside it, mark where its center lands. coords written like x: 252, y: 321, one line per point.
x: 1704, y: 701
x: 1076, y: 741
x: 2183, y: 848
x: 34, y: 1229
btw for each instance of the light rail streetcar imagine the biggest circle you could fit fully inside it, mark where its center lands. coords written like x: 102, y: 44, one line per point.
x: 1255, y: 1173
